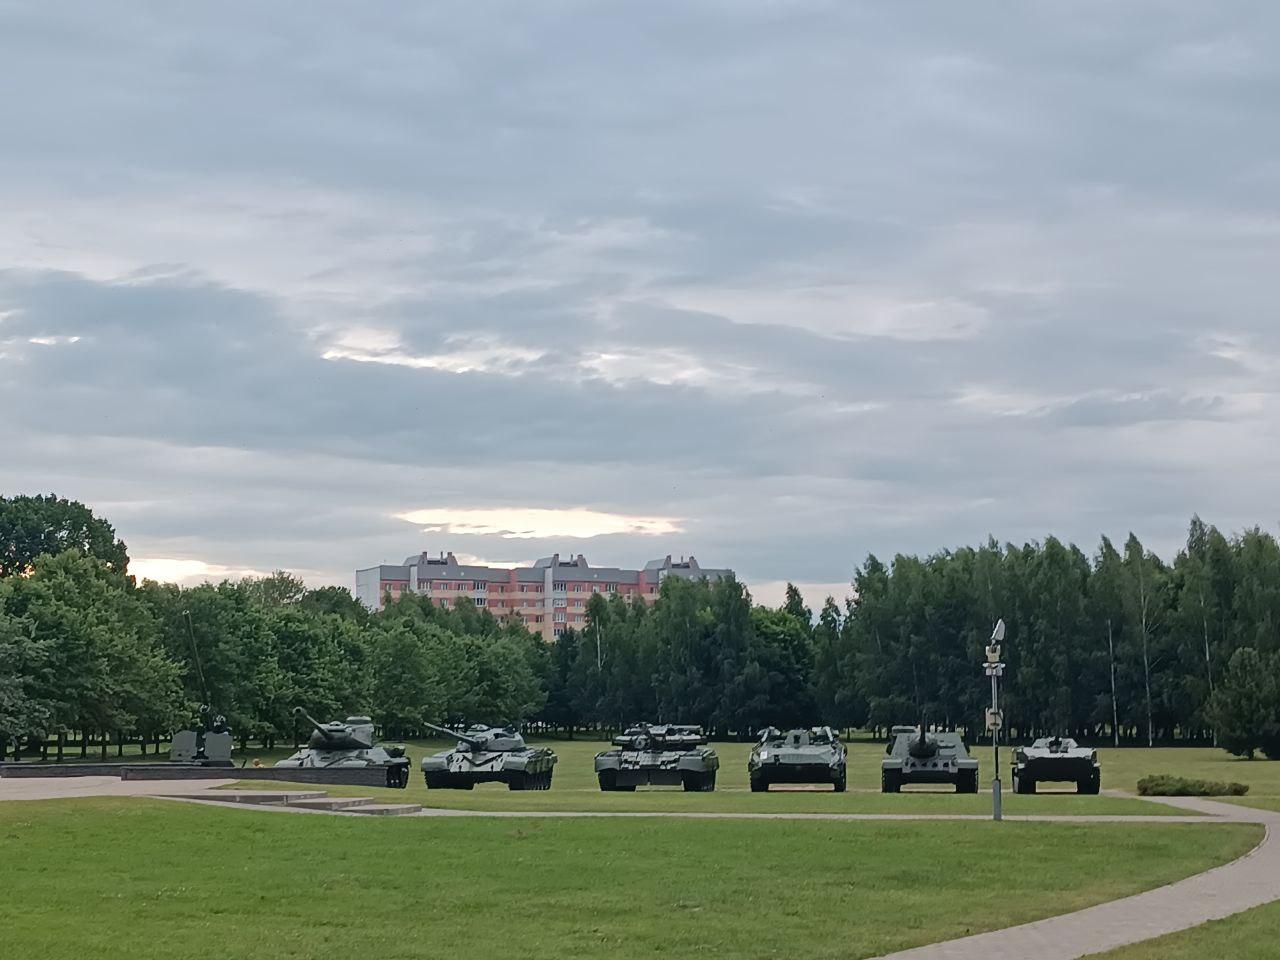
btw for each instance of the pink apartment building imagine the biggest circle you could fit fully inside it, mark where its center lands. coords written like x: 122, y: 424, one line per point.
x: 549, y: 596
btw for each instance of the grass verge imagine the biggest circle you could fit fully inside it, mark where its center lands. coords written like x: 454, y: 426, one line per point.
x: 155, y: 879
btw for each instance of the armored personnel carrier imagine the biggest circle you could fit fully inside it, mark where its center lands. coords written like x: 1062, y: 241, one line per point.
x: 1056, y: 760
x: 488, y: 755
x: 658, y: 755
x: 924, y: 757
x: 815, y: 755
x: 345, y: 744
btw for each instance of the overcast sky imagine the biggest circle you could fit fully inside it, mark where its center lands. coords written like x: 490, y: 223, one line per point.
x: 319, y: 285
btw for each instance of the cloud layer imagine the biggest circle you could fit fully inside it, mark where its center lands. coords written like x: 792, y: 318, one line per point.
x: 775, y: 284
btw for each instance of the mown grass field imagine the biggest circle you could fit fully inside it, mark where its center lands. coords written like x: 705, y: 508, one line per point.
x: 575, y: 786
x: 1252, y: 935
x: 155, y: 879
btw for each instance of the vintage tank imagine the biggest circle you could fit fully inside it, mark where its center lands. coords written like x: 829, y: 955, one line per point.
x: 488, y: 755
x: 343, y: 745
x: 659, y: 755
x: 1056, y: 760
x: 923, y: 756
x: 813, y: 755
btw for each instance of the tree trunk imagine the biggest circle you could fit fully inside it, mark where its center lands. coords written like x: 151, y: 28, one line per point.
x: 119, y: 743
x: 62, y: 743
x: 1208, y: 660
x: 84, y: 744
x: 104, y: 737
x: 1115, y: 708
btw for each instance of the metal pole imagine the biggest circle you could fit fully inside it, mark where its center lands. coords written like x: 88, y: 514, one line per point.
x: 996, y: 812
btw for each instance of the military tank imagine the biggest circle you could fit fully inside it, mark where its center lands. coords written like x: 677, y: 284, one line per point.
x: 923, y: 757
x: 658, y: 755
x: 488, y: 755
x: 813, y: 755
x: 343, y: 745
x: 1056, y: 760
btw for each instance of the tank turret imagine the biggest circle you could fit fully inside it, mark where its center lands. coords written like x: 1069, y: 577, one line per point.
x: 345, y: 744
x: 658, y: 754
x: 485, y: 755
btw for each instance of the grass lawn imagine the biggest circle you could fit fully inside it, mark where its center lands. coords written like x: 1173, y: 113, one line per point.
x: 575, y: 788
x: 1252, y: 935
x: 1122, y: 768
x: 156, y: 879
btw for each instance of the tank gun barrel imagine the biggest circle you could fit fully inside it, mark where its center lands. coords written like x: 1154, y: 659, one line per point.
x: 453, y: 733
x: 301, y: 714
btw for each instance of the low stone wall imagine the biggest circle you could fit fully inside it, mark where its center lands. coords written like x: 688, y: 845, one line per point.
x: 39, y: 769
x: 357, y: 777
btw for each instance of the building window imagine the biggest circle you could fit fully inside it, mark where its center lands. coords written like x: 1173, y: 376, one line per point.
x: 479, y: 585
x: 482, y: 601
x: 577, y: 588
x: 561, y: 602
x: 611, y: 587
x: 559, y: 618
x: 558, y: 632
x: 559, y: 585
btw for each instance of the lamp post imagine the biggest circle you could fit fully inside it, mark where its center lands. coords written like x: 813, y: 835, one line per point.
x: 995, y: 720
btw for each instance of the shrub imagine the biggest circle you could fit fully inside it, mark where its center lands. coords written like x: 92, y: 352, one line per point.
x: 1169, y: 786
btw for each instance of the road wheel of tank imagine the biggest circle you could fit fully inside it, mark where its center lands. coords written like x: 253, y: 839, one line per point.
x: 841, y: 781
x: 709, y: 782
x: 434, y: 781
x: 1023, y: 784
x: 967, y: 781
x: 1091, y: 786
x: 759, y: 784
x: 890, y: 781
x: 520, y: 781
x: 608, y: 780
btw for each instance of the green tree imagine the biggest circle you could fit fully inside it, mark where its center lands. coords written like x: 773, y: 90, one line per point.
x: 1245, y: 707
x: 31, y: 527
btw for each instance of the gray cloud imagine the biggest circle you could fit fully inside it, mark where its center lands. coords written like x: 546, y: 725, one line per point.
x: 814, y: 279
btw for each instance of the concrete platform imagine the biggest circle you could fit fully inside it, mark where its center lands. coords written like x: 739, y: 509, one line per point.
x: 260, y: 797
x: 332, y: 803
x: 386, y: 809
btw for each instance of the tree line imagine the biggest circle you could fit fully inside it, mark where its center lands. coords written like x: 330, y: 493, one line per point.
x: 1115, y: 646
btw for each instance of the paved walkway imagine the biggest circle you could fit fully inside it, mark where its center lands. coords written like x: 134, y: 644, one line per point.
x: 56, y: 788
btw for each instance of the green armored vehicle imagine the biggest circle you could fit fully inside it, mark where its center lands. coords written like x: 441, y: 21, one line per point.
x: 658, y: 755
x: 488, y: 755
x: 815, y: 755
x: 1056, y: 759
x: 343, y: 745
x: 925, y: 757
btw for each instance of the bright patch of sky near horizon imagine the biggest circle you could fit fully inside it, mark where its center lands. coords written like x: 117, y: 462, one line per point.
x: 775, y: 284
